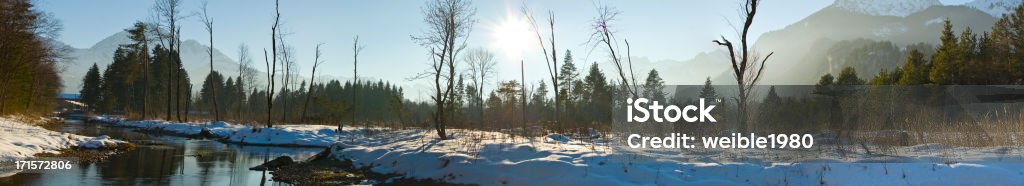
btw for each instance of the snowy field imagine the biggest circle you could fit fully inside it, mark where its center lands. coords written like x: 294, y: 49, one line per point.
x: 492, y: 158
x: 20, y: 139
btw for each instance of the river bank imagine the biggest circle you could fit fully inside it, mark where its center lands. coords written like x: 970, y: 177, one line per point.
x: 495, y: 158
x: 24, y: 137
x: 162, y: 159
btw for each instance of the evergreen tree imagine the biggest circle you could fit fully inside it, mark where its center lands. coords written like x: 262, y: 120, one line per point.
x: 848, y: 77
x: 90, y: 92
x: 915, y: 71
x: 567, y: 75
x: 654, y: 87
x: 772, y: 99
x: 945, y: 62
x: 708, y: 92
x: 599, y: 102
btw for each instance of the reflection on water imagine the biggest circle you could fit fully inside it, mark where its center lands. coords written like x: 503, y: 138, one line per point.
x: 164, y: 160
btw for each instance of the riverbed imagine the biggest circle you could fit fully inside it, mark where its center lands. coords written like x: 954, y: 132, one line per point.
x: 164, y: 160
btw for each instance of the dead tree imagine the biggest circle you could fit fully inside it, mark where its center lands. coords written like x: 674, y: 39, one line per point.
x: 288, y: 62
x: 244, y: 64
x: 272, y: 62
x: 604, y: 36
x: 746, y: 66
x: 167, y: 13
x: 356, y: 48
x: 312, y: 78
x: 481, y: 64
x: 448, y: 24
x: 208, y: 24
x: 551, y: 63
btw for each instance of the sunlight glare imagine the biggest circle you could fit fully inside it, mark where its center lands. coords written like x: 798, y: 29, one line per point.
x: 513, y: 36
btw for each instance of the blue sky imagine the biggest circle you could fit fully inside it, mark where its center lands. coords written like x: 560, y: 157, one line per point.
x: 657, y: 29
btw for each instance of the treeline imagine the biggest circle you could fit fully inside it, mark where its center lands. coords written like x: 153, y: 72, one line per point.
x: 28, y: 59
x: 138, y: 83
x: 328, y: 102
x: 587, y: 98
x: 142, y: 85
x: 911, y: 97
x: 967, y: 58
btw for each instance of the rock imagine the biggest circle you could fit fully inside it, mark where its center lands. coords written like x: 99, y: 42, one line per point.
x: 275, y: 164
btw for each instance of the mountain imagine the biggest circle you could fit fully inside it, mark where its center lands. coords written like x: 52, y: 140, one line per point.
x: 194, y: 59
x: 691, y: 71
x: 802, y: 48
x: 885, y: 7
x: 995, y: 8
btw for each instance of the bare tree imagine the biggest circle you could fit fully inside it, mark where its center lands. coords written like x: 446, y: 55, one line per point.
x: 167, y: 13
x: 481, y: 64
x: 288, y: 62
x: 449, y: 23
x: 272, y: 63
x: 553, y: 62
x: 312, y: 78
x: 746, y: 66
x: 603, y: 35
x: 244, y: 75
x: 208, y: 24
x: 356, y: 48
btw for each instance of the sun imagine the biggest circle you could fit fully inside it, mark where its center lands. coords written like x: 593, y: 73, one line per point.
x: 512, y: 36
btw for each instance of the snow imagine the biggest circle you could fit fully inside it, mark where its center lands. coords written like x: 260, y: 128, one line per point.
x: 493, y: 158
x: 282, y: 135
x: 490, y: 158
x: 996, y: 8
x: 899, y: 8
x: 20, y: 139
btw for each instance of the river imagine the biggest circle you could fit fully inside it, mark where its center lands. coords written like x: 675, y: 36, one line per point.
x: 164, y: 160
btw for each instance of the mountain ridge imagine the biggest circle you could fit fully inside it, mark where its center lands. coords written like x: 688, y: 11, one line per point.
x: 195, y: 60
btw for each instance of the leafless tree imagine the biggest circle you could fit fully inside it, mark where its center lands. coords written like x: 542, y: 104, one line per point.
x: 604, y: 36
x: 208, y: 24
x: 312, y: 78
x: 272, y: 62
x: 553, y: 62
x: 448, y: 24
x: 288, y: 62
x: 481, y: 64
x: 167, y: 13
x: 244, y: 75
x: 746, y: 65
x: 356, y: 48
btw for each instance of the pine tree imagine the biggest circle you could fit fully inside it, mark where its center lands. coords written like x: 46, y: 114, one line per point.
x: 599, y: 99
x: 848, y: 77
x: 708, y: 92
x: 772, y: 99
x: 90, y: 92
x: 654, y: 87
x: 945, y: 62
x: 914, y: 70
x: 566, y: 77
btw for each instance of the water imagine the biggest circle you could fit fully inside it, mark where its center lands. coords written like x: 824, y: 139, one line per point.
x: 164, y: 160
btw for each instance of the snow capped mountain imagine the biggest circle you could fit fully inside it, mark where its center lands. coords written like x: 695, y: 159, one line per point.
x: 996, y: 8
x: 898, y: 8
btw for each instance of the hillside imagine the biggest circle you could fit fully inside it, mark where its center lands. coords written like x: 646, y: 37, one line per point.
x: 804, y: 46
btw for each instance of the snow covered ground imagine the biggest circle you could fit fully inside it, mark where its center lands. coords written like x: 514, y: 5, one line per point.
x: 283, y: 135
x: 20, y: 139
x: 488, y: 158
x: 492, y: 158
